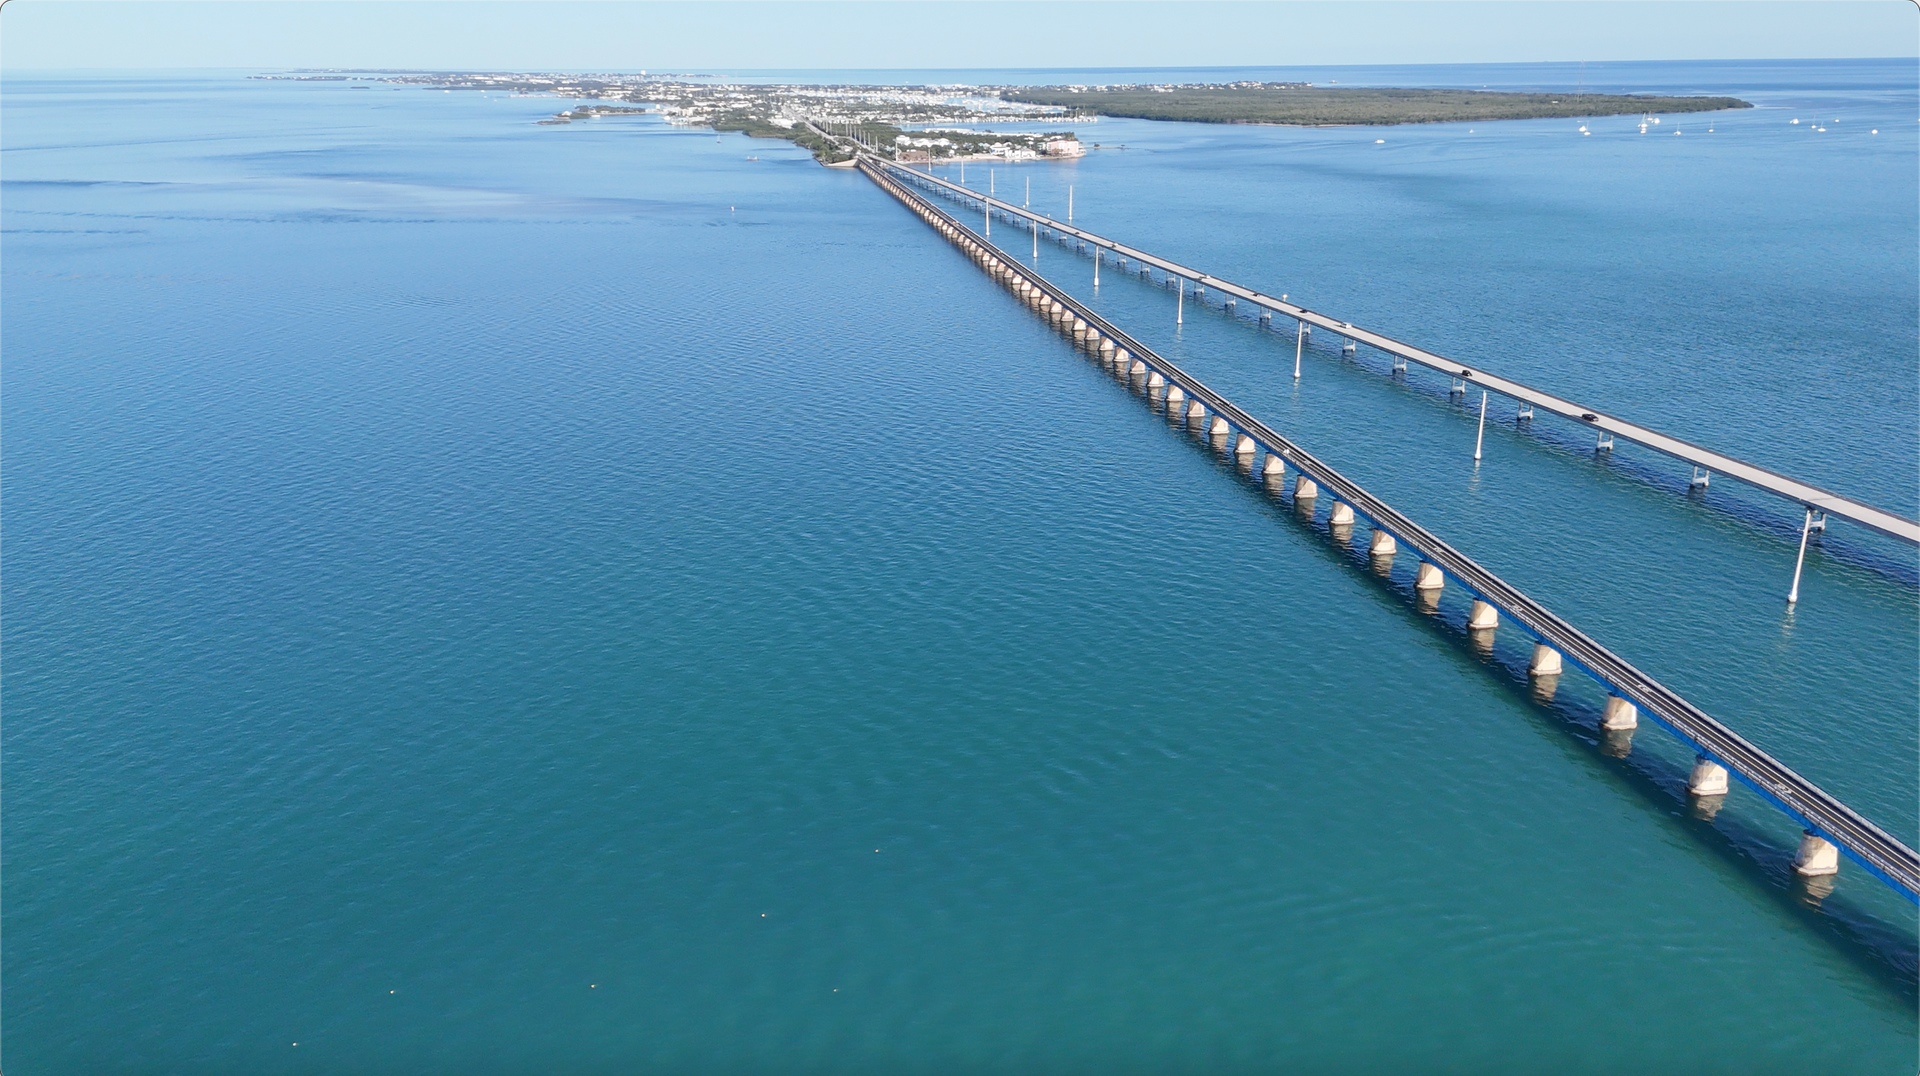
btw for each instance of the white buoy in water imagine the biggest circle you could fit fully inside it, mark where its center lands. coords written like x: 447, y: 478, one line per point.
x: 1379, y: 141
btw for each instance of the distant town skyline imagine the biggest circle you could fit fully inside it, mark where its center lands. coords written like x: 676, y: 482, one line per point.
x: 618, y: 35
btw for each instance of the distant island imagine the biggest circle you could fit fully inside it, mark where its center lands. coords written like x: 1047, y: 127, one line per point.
x: 926, y: 123
x: 594, y: 112
x: 1301, y: 105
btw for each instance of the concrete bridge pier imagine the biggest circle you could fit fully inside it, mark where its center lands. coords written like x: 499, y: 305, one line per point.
x: 1304, y: 489
x: 1175, y: 398
x: 1619, y: 715
x: 1195, y: 412
x: 1340, y: 519
x: 1219, y: 428
x: 1155, y: 382
x: 1817, y: 856
x: 1244, y: 447
x: 1275, y: 468
x: 1380, y: 550
x: 1429, y: 578
x: 1546, y: 661
x: 1708, y: 778
x: 1483, y: 616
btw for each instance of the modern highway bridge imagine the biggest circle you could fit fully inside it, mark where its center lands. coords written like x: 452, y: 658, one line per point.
x: 1606, y: 427
x: 1830, y: 826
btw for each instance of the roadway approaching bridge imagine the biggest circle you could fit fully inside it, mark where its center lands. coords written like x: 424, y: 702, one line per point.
x: 1830, y: 826
x: 1705, y: 461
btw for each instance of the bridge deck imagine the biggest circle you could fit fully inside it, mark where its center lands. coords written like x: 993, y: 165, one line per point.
x: 1815, y: 809
x: 1820, y: 500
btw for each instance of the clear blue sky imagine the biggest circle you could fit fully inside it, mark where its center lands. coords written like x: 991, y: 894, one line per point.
x: 619, y: 35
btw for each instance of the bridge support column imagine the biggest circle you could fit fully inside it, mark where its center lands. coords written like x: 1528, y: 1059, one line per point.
x: 1619, y: 715
x: 1817, y: 856
x: 1483, y: 616
x: 1218, y: 427
x: 1137, y: 368
x: 1340, y: 515
x: 1546, y: 661
x: 1275, y: 466
x: 1195, y: 411
x: 1382, y: 544
x: 1304, y: 489
x: 1155, y: 381
x: 1244, y: 446
x: 1708, y: 778
x: 1175, y: 398
x: 1430, y: 577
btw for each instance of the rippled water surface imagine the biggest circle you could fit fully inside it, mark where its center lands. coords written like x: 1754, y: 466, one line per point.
x: 490, y: 597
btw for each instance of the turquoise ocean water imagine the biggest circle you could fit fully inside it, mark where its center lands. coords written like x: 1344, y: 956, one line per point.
x: 482, y: 597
